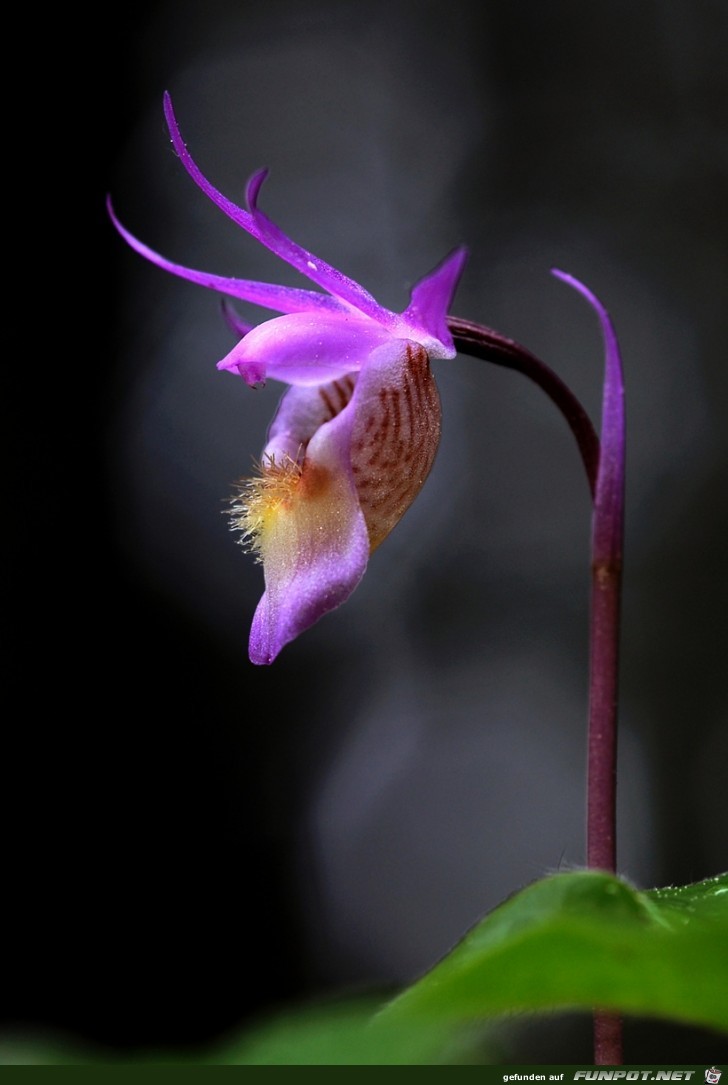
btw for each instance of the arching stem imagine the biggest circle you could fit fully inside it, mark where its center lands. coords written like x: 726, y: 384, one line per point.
x: 493, y: 347
x: 604, y: 464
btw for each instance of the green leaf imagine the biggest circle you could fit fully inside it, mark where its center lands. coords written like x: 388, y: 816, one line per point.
x: 569, y: 942
x: 341, y: 1032
x: 582, y: 940
x: 348, y: 1033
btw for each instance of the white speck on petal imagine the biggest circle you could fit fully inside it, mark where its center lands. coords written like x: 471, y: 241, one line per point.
x: 311, y: 265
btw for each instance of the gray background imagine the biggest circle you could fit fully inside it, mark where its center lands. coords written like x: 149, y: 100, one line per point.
x: 420, y: 753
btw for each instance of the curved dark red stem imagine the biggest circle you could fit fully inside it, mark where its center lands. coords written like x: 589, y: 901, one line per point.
x: 491, y: 346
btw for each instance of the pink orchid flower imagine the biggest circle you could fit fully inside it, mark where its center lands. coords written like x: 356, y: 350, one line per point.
x: 354, y: 436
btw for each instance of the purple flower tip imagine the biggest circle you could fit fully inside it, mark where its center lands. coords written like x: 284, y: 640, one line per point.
x: 609, y: 495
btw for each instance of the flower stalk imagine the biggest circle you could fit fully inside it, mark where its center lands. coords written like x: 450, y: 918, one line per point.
x: 606, y: 587
x: 491, y: 346
x: 604, y: 464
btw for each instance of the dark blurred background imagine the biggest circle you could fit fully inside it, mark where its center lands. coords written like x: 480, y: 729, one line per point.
x: 189, y: 841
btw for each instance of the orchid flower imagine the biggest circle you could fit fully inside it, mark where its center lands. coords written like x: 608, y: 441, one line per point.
x: 355, y: 434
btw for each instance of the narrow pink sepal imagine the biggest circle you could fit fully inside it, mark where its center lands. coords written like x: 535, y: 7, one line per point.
x: 431, y: 298
x: 281, y: 299
x: 270, y: 235
x: 313, y: 267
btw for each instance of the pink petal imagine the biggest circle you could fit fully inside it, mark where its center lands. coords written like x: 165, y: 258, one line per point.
x: 432, y: 296
x: 282, y: 299
x: 234, y: 321
x: 304, y: 348
x: 365, y: 456
x: 237, y: 214
x: 313, y: 267
x: 270, y: 235
x: 396, y: 433
x: 314, y: 546
x: 301, y: 412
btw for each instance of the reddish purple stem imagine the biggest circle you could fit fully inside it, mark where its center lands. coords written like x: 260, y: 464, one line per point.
x: 493, y: 347
x: 604, y: 463
x: 607, y: 555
